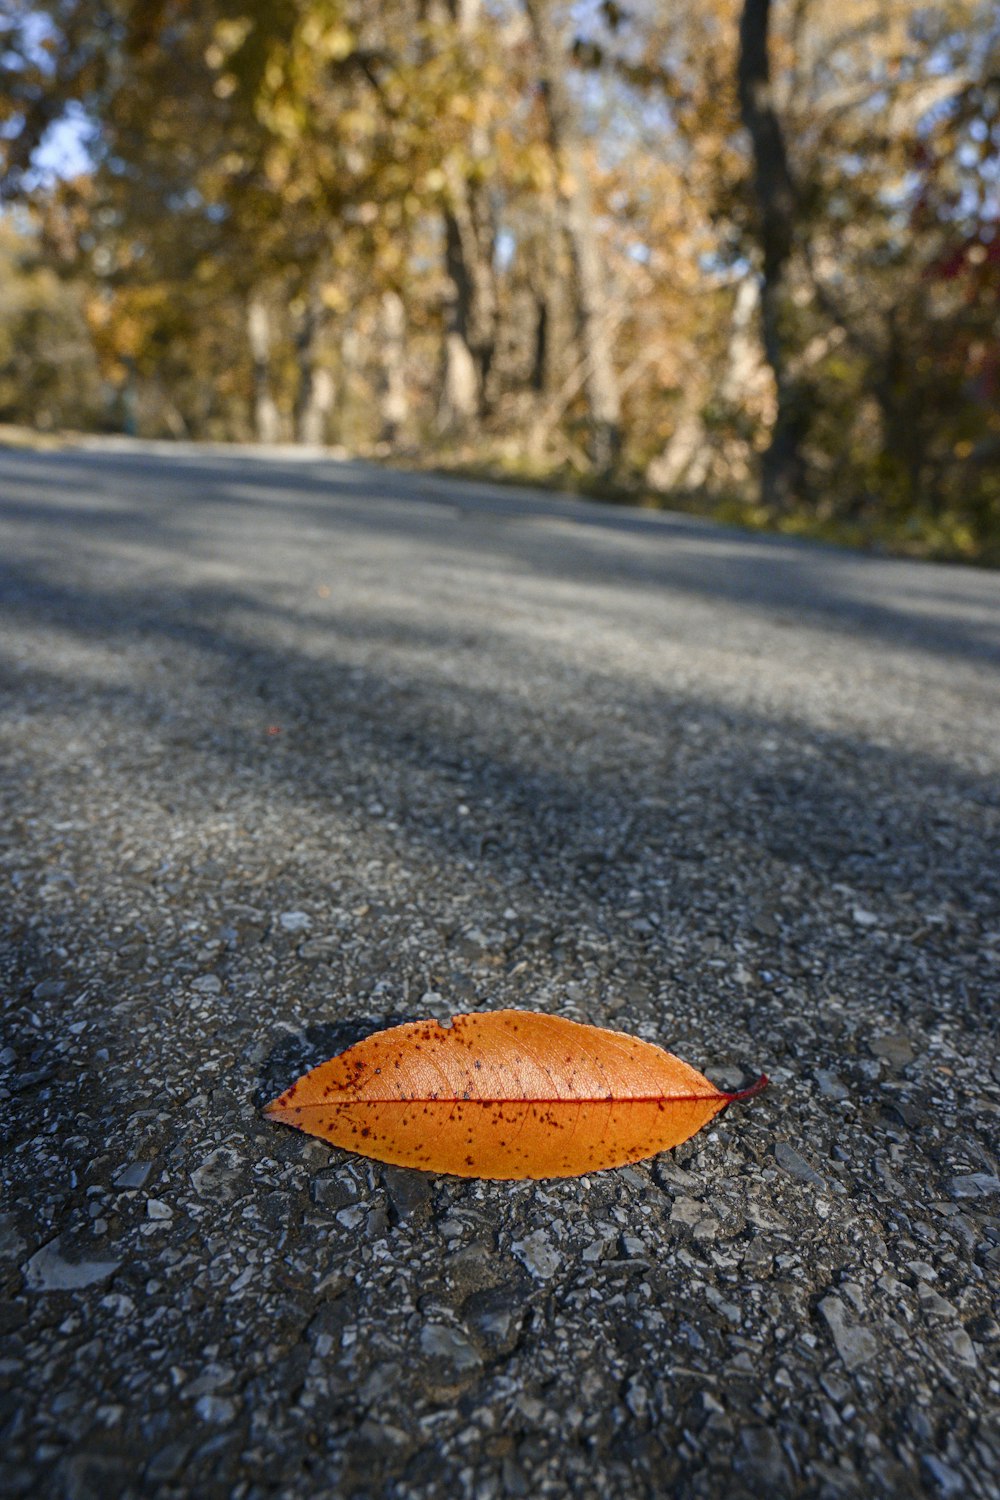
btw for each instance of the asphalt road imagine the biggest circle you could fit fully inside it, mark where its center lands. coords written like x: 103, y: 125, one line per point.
x: 295, y: 749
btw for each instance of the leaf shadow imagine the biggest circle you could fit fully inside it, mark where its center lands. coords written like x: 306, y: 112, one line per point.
x: 296, y: 1052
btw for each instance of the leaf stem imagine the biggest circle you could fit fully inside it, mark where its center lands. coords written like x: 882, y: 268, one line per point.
x: 755, y: 1088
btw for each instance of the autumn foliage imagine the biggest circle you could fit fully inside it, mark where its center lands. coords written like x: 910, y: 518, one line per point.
x: 741, y: 255
x: 504, y: 1094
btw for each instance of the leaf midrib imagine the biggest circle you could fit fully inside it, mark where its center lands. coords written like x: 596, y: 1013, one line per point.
x: 522, y: 1099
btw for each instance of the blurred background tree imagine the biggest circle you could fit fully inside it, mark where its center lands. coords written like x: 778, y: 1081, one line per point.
x: 742, y: 256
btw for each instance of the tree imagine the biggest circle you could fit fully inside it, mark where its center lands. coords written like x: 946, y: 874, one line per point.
x: 573, y: 196
x: 472, y: 307
x: 706, y: 244
x: 776, y: 204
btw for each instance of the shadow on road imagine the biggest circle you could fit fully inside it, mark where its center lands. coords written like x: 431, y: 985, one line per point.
x: 713, y: 776
x: 167, y: 501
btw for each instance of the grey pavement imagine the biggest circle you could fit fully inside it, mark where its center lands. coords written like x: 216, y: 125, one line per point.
x: 296, y: 749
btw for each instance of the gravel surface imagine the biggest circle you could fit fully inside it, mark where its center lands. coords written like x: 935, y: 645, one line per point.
x: 297, y: 750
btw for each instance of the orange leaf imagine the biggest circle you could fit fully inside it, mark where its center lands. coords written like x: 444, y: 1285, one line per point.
x: 507, y: 1094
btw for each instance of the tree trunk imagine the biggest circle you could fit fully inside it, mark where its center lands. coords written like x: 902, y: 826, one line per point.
x: 774, y: 192
x: 315, y: 394
x: 540, y: 357
x: 600, y: 381
x: 541, y: 255
x: 472, y: 310
x: 265, y: 413
x: 130, y: 398
x: 903, y: 431
x: 746, y: 372
x: 471, y: 323
x: 394, y: 403
x: 460, y: 392
x: 353, y: 425
x: 683, y: 460
x: 689, y: 457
